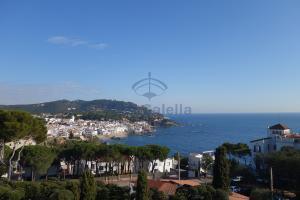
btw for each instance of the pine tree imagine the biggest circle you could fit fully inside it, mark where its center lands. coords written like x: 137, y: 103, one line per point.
x: 87, y: 186
x: 221, y: 170
x: 142, y: 190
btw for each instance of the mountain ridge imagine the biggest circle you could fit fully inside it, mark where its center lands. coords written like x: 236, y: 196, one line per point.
x: 99, y: 109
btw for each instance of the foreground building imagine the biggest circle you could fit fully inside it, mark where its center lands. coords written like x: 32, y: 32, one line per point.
x: 278, y: 136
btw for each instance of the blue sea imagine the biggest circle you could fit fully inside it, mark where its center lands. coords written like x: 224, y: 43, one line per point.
x: 200, y: 132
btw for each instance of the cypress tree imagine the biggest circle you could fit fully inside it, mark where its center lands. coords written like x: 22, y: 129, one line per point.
x: 87, y: 186
x: 142, y: 190
x: 221, y: 170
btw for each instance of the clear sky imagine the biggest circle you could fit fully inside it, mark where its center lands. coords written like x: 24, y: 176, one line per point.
x: 214, y: 56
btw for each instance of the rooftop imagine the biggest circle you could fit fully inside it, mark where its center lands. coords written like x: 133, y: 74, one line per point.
x: 162, y: 186
x: 279, y: 127
x: 236, y: 196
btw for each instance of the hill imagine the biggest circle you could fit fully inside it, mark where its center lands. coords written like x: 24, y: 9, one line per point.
x: 95, y: 110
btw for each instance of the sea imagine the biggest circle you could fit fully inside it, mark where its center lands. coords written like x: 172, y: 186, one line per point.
x: 201, y: 132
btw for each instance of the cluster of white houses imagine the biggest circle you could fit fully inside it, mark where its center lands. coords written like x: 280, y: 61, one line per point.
x: 83, y: 129
x: 132, y: 166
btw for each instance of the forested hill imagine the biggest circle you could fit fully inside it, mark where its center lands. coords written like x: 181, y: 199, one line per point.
x: 79, y: 106
x: 96, y: 110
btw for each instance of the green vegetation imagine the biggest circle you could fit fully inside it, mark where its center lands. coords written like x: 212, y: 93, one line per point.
x: 116, y: 154
x: 260, y: 194
x: 60, y: 190
x: 207, y: 162
x: 205, y: 192
x: 142, y: 190
x: 221, y: 170
x: 87, y: 186
x: 239, y: 150
x: 285, y: 165
x: 38, y: 158
x: 15, y: 125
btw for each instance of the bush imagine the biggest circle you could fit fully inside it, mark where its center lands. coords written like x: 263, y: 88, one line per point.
x: 260, y: 194
x: 33, y: 191
x: 62, y: 195
x: 102, y: 193
x: 17, y: 194
x: 87, y: 186
x: 3, y: 190
x: 157, y: 195
x: 73, y: 186
x: 221, y: 195
x: 48, y: 187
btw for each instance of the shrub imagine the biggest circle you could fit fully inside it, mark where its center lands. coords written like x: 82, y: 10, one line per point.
x: 61, y: 195
x: 260, y: 194
x: 73, y: 186
x: 87, y: 186
x: 17, y: 194
x: 221, y: 195
x: 33, y: 191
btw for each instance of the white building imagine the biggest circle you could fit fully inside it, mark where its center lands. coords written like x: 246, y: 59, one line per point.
x: 195, y: 162
x: 163, y: 166
x: 278, y: 136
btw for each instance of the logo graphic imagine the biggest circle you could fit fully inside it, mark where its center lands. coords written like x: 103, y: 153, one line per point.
x: 149, y: 87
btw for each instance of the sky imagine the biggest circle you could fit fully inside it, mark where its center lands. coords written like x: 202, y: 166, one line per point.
x: 214, y: 56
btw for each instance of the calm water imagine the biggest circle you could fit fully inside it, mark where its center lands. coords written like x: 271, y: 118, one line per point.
x: 201, y: 132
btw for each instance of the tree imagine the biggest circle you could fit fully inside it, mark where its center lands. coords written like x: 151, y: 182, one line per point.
x: 157, y: 152
x: 87, y: 186
x: 221, y: 170
x: 205, y: 192
x: 207, y: 162
x: 285, y: 165
x: 142, y: 190
x: 38, y: 158
x: 239, y: 150
x: 16, y: 125
x: 4, y: 164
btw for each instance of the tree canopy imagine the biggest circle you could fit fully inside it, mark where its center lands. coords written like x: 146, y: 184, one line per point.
x: 15, y: 125
x: 38, y: 158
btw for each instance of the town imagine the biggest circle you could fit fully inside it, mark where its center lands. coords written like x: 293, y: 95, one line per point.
x: 87, y: 129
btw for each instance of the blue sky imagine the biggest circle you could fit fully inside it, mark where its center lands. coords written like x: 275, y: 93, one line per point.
x: 215, y: 56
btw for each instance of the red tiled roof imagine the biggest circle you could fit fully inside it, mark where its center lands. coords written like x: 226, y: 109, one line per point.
x: 293, y: 136
x: 236, y: 196
x: 162, y: 186
x: 192, y: 183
